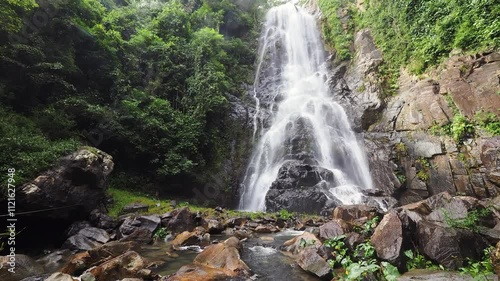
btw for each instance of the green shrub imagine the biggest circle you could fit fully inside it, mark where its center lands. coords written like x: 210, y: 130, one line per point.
x: 26, y: 148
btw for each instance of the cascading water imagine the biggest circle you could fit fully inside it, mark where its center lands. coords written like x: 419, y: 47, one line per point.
x: 304, y: 123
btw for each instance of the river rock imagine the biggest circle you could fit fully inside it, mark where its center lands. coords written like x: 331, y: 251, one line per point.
x: 140, y: 235
x: 82, y: 261
x: 217, y: 262
x: 214, y: 226
x: 141, y: 227
x: 299, y: 243
x: 350, y: 213
x: 58, y: 276
x: 79, y: 181
x: 266, y: 229
x: 55, y: 260
x: 103, y: 221
x: 449, y: 246
x: 24, y: 267
x: 128, y: 265
x: 187, y: 238
x: 387, y: 239
x: 87, y: 239
x: 332, y: 229
x: 223, y: 256
x: 310, y: 261
x: 182, y: 220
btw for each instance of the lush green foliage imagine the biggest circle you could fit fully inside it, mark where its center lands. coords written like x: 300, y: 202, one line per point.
x: 471, y: 221
x: 422, y: 33
x: 148, y: 82
x: 25, y: 147
x: 337, y: 26
x: 480, y: 269
x: 415, y: 260
x: 415, y: 34
x: 357, y: 263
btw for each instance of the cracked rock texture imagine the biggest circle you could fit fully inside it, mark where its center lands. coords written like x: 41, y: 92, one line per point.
x: 406, y: 160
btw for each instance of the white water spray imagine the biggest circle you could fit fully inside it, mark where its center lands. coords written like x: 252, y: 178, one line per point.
x: 300, y: 110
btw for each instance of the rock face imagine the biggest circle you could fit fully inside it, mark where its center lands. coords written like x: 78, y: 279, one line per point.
x: 79, y: 181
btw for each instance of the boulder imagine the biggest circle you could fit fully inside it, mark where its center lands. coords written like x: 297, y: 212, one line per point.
x: 198, y: 273
x: 75, y: 227
x: 181, y: 220
x: 449, y: 246
x: 223, y: 256
x: 141, y: 227
x: 351, y: 213
x: 127, y: 265
x: 214, y: 226
x: 87, y: 239
x: 232, y: 222
x: 24, y: 267
x: 187, y: 238
x: 387, y: 239
x: 134, y: 208
x: 217, y: 262
x: 103, y: 221
x: 266, y: 229
x: 95, y: 234
x: 82, y: 261
x: 332, y: 229
x: 299, y: 243
x: 311, y: 200
x: 310, y: 261
x: 58, y: 276
x: 79, y: 181
x: 299, y: 187
x: 54, y: 261
x: 140, y: 235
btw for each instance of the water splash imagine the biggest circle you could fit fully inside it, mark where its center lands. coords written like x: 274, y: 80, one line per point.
x: 304, y: 120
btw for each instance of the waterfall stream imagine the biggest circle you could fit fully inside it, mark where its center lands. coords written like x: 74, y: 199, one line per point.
x: 296, y: 119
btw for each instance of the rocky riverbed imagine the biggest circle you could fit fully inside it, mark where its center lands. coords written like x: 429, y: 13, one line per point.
x: 216, y: 245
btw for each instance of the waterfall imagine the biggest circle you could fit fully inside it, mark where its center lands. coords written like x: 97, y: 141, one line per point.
x: 296, y: 119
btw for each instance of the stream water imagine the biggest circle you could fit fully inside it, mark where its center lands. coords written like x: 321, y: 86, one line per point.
x: 261, y: 254
x: 297, y: 104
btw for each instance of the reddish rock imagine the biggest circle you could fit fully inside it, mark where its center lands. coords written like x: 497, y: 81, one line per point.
x: 188, y: 238
x: 297, y: 244
x: 387, y: 239
x: 128, y: 265
x: 310, y: 261
x: 350, y: 213
x: 266, y: 229
x: 332, y: 229
x: 82, y: 261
